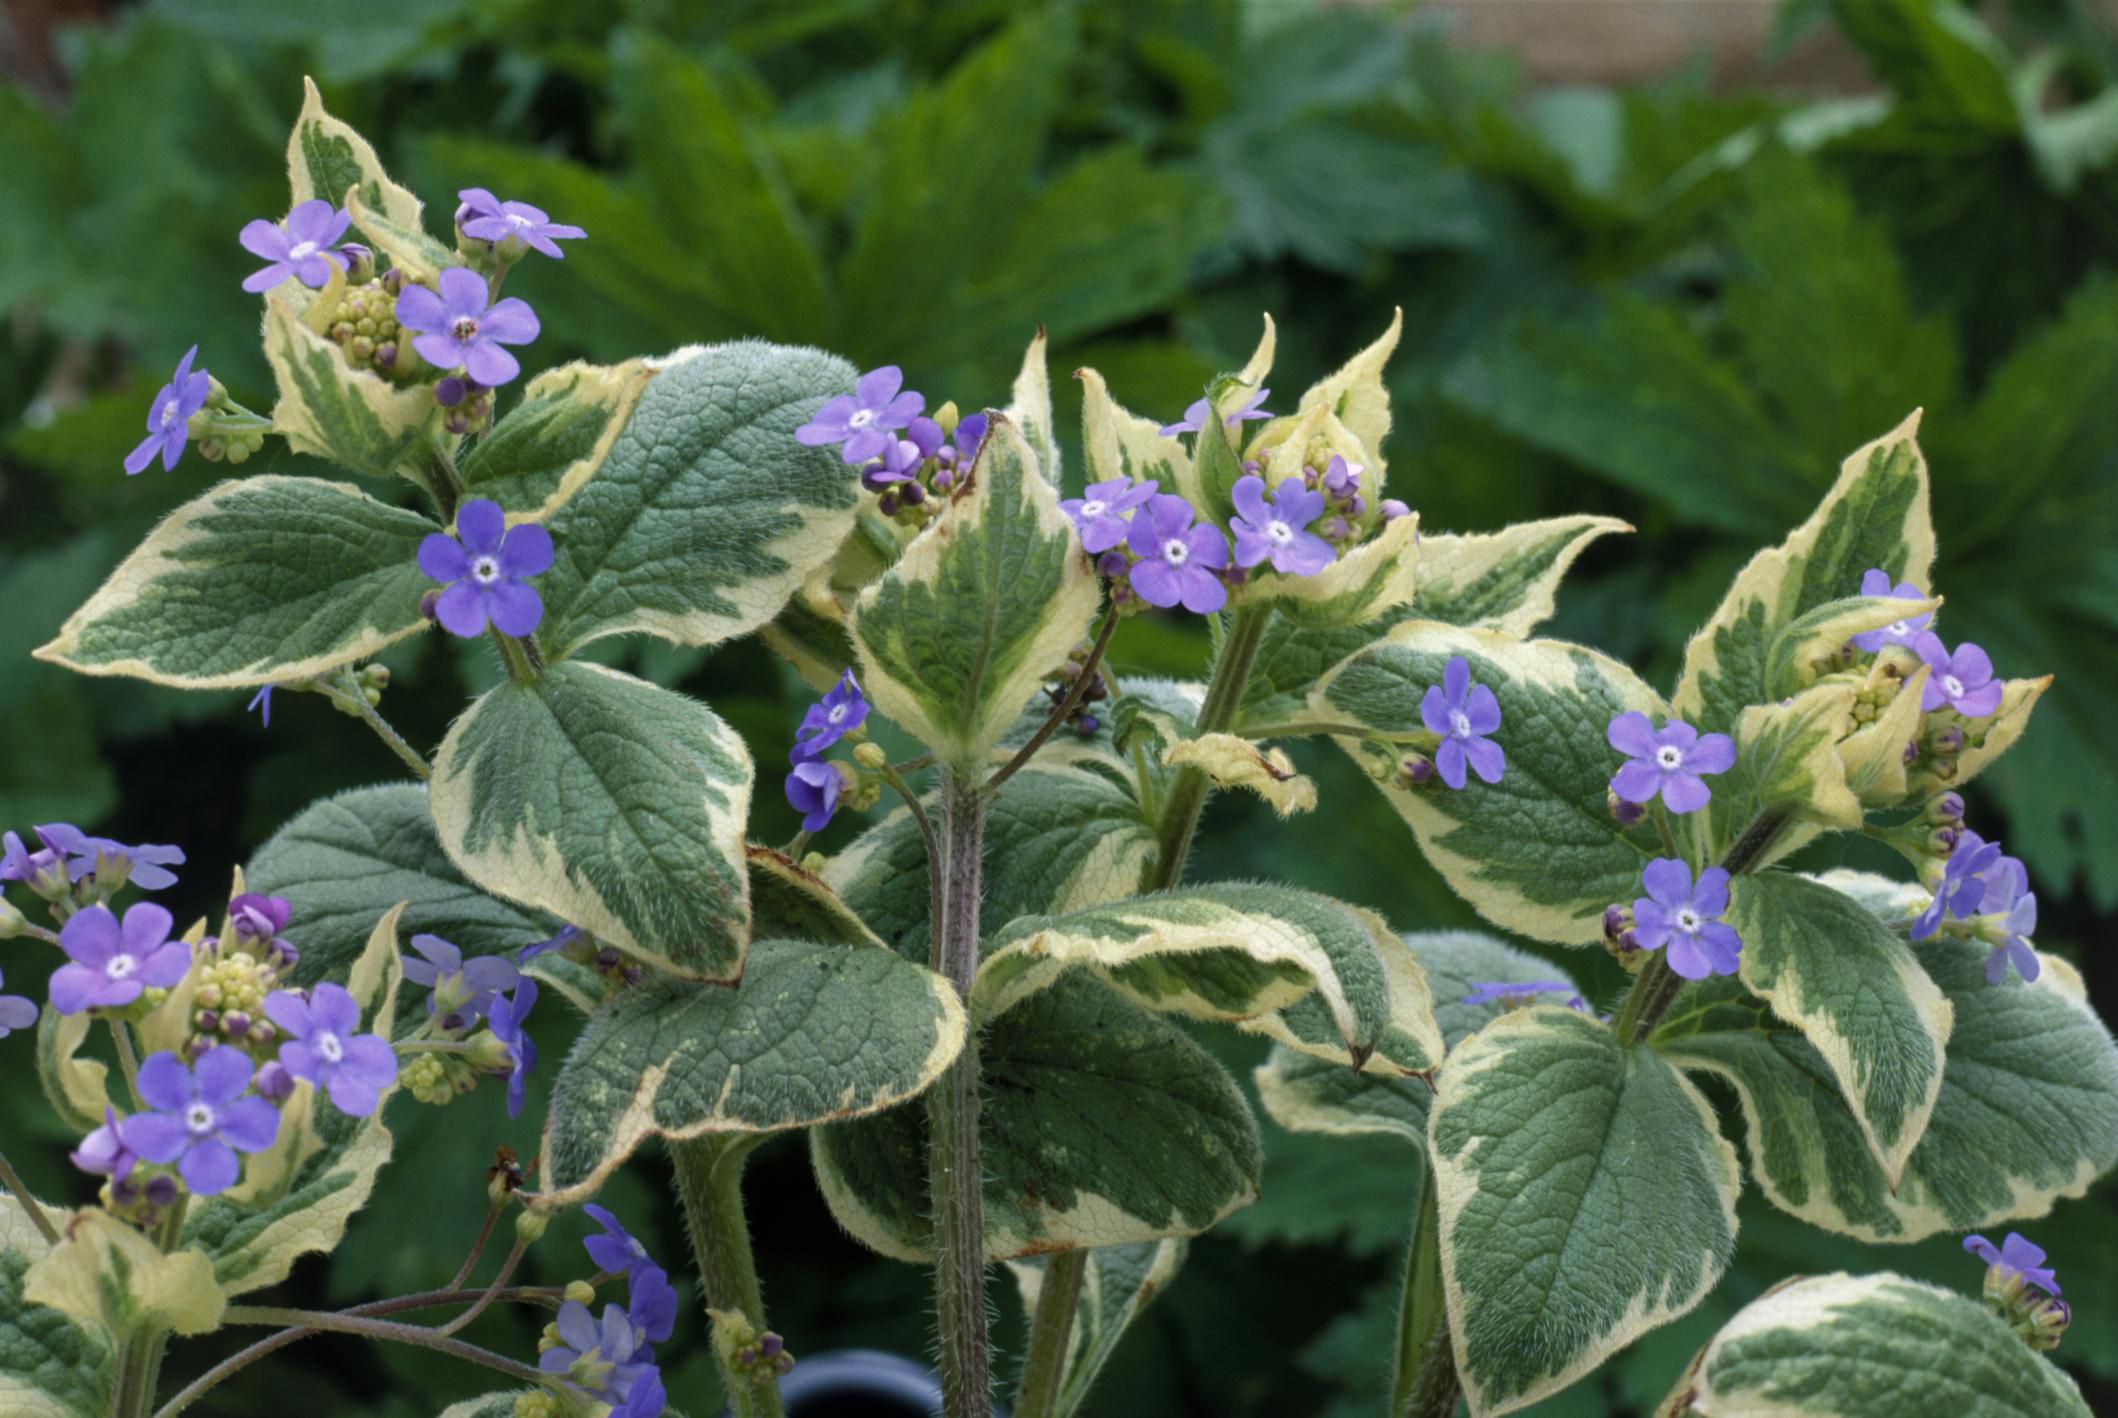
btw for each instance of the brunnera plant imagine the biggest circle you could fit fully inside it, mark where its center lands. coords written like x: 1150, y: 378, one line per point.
x: 971, y: 1007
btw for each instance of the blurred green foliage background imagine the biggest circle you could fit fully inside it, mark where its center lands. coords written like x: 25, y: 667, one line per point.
x: 1671, y: 303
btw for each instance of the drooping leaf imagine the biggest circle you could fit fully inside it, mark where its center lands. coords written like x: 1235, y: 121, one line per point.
x: 984, y: 605
x: 609, y: 802
x: 106, y: 1273
x: 266, y: 579
x: 1101, y: 1123
x: 1586, y: 1197
x: 557, y: 437
x: 814, y: 1034
x: 1538, y: 852
x: 1118, y: 1284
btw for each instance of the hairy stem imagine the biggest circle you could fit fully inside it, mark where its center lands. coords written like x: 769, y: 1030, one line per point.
x: 343, y: 689
x: 1224, y: 694
x: 128, y: 1061
x: 383, y: 1329
x: 1424, y: 1384
x: 1750, y: 848
x: 519, y: 658
x: 12, y: 1180
x: 492, y: 1291
x: 895, y: 778
x: 710, y: 1184
x: 470, y: 1262
x: 1066, y: 706
x: 37, y: 932
x: 955, y: 1172
x: 1051, y: 1329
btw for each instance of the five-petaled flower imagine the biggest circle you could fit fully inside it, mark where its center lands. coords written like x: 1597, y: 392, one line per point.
x: 1177, y: 560
x: 1195, y: 417
x: 1876, y: 582
x: 603, y: 1358
x: 169, y: 416
x: 1274, y: 529
x: 1687, y: 919
x: 2008, y: 911
x: 1100, y: 514
x: 813, y: 790
x: 1962, y: 887
x: 506, y: 1017
x: 842, y: 710
x: 651, y: 1305
x: 321, y: 1046
x: 458, y: 329
x: 145, y: 866
x: 2018, y: 1256
x: 1962, y: 680
x: 487, y: 218
x: 462, y: 989
x: 302, y: 246
x: 487, y: 572
x: 864, y: 420
x: 110, y: 965
x: 616, y: 1250
x: 1463, y: 714
x: 1669, y: 761
x: 201, y: 1118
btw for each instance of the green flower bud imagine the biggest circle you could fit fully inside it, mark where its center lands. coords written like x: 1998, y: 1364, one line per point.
x: 530, y: 1226
x: 871, y: 757
x: 580, y: 1292
x: 12, y: 921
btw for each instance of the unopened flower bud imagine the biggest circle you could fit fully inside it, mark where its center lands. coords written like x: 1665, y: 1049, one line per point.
x: 1415, y: 770
x: 1942, y: 841
x: 1616, y: 921
x: 1392, y: 509
x: 235, y: 1024
x: 871, y: 757
x: 1336, y: 529
x: 392, y: 281
x: 887, y: 504
x: 530, y: 1225
x: 427, y: 603
x: 12, y: 921
x: 814, y: 863
x: 1947, y: 739
x: 273, y: 1082
x: 770, y: 1345
x: 947, y: 416
x: 1947, y: 809
x: 782, y: 1363
x: 1251, y: 466
x: 913, y: 494
x: 1624, y: 813
x: 1087, y: 725
x: 580, y: 1292
x: 944, y: 479
x: 1111, y: 563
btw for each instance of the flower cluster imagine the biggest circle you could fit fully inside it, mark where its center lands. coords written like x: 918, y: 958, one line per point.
x: 906, y: 458
x: 450, y: 1052
x: 613, y: 1359
x: 2022, y: 1289
x: 1980, y: 891
x: 1961, y: 691
x: 816, y: 785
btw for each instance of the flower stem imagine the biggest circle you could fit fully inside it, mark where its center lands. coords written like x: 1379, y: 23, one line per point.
x: 1424, y: 1385
x: 1065, y: 707
x: 383, y: 1329
x: 492, y: 1291
x: 955, y: 1171
x: 128, y: 1062
x: 31, y: 928
x: 518, y: 657
x: 344, y: 690
x: 710, y: 1185
x: 12, y: 1180
x: 1224, y: 694
x: 1044, y: 1364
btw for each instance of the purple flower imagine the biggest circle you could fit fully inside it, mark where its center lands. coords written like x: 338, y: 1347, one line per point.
x: 864, y: 420
x: 1177, y: 560
x: 19, y: 864
x: 813, y: 788
x: 146, y: 866
x: 112, y: 965
x: 842, y: 710
x: 201, y: 1119
x: 1273, y: 530
x: 16, y: 1013
x: 1687, y: 919
x: 2011, y: 911
x: 462, y: 989
x: 1962, y: 888
x: 602, y: 1359
x: 616, y: 1250
x: 506, y: 1017
x: 262, y: 703
x: 169, y: 416
x: 103, y: 1152
x: 1463, y: 713
x: 1196, y: 416
x: 300, y: 246
x: 970, y: 432
x: 1498, y: 991
x: 457, y: 328
x: 1392, y: 509
x: 487, y: 572
x: 1340, y: 477
x: 651, y: 1305
x: 1964, y: 681
x: 491, y: 219
x: 2018, y: 1256
x: 1100, y: 514
x: 1668, y: 762
x: 530, y: 952
x: 259, y: 919
x: 322, y: 1047
x: 1876, y: 582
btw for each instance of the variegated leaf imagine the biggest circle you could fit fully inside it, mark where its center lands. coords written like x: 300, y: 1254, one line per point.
x: 1355, y: 395
x: 353, y: 417
x: 609, y: 802
x: 105, y: 1273
x: 1030, y: 409
x: 787, y: 901
x: 556, y: 438
x: 327, y: 159
x: 1369, y: 582
x: 52, y: 1365
x: 1987, y: 739
x: 1118, y: 1283
x: 1235, y: 762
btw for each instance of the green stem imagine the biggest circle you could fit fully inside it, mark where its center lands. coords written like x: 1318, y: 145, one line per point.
x: 519, y: 658
x: 955, y: 1172
x: 391, y: 1330
x: 1224, y: 695
x: 1066, y: 705
x: 12, y: 1180
x: 37, y: 932
x: 710, y: 1185
x: 343, y: 689
x: 1424, y: 1385
x: 128, y: 1062
x: 1044, y: 1364
x: 492, y: 1291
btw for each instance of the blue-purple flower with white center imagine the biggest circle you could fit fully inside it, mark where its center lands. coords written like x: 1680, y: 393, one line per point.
x: 1177, y: 560
x: 1100, y: 514
x: 862, y: 422
x: 103, y: 1152
x: 462, y: 989
x: 302, y: 246
x: 2007, y: 911
x: 506, y: 1017
x: 1962, y: 680
x: 1876, y: 582
x: 169, y: 416
x: 201, y: 1118
x: 321, y: 1047
x: 487, y: 218
x: 1463, y: 714
x: 110, y: 965
x: 1668, y: 761
x: 600, y: 1358
x: 842, y: 710
x: 1274, y: 529
x: 458, y: 329
x: 813, y: 789
x: 488, y: 571
x: 16, y: 1012
x: 616, y: 1250
x: 1502, y: 991
x: 1196, y: 416
x: 1687, y: 919
x: 262, y: 703
x: 145, y: 866
x: 2017, y: 1256
x: 1962, y: 888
